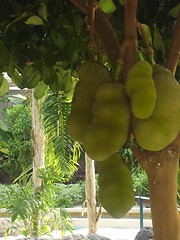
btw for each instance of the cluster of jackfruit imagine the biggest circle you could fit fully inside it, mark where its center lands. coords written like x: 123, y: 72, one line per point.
x: 105, y: 114
x: 100, y: 112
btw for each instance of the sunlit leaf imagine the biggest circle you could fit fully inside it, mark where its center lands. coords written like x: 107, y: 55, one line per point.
x: 4, y: 87
x: 1, y: 79
x: 34, y: 20
x: 40, y: 90
x: 107, y: 6
x: 3, y: 126
x: 3, y: 150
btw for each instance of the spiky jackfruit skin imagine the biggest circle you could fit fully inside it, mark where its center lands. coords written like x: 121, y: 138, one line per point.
x: 162, y: 127
x: 116, y: 192
x: 91, y: 76
x: 109, y: 127
x: 141, y: 90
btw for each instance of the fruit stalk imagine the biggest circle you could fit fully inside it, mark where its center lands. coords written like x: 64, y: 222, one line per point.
x: 106, y: 33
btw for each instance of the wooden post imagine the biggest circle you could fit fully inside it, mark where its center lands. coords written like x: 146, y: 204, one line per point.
x: 91, y: 195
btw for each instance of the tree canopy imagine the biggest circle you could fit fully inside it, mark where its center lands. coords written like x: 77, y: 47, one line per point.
x: 44, y: 41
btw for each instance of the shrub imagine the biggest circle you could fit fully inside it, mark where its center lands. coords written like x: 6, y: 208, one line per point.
x: 70, y: 195
x: 19, y: 145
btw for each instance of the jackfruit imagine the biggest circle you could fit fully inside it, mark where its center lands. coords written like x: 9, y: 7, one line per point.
x: 116, y: 192
x: 109, y: 127
x: 141, y: 90
x: 162, y: 127
x: 91, y: 76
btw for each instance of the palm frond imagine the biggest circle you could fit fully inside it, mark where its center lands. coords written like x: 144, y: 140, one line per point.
x: 62, y: 152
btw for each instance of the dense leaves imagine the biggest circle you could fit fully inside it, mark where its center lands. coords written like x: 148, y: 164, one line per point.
x: 36, y: 35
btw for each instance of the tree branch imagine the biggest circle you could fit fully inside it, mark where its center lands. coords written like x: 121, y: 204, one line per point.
x: 149, y: 50
x: 174, y: 50
x: 130, y: 41
x: 104, y: 31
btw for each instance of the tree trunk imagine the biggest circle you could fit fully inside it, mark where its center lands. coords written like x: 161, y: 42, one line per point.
x: 162, y: 169
x: 163, y: 198
x: 91, y: 195
x: 38, y: 162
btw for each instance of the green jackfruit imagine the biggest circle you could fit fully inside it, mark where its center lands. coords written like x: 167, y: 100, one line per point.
x: 162, y: 127
x: 141, y: 90
x: 109, y: 127
x: 91, y: 76
x: 116, y: 192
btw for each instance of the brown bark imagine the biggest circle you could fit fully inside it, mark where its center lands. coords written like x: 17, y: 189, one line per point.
x: 130, y: 37
x: 174, y: 50
x: 163, y: 199
x: 161, y: 168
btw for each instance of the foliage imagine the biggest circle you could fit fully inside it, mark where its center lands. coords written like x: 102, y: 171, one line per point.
x: 140, y: 181
x: 20, y: 202
x: 178, y: 180
x: 70, y: 195
x: 61, y: 152
x: 19, y: 157
x: 51, y: 37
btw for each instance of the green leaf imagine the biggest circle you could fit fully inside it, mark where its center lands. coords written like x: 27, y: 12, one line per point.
x: 4, y: 55
x: 68, y: 82
x: 78, y: 22
x: 4, y: 150
x: 1, y: 79
x: 40, y: 90
x: 31, y: 76
x: 107, y: 6
x: 158, y: 41
x: 4, y: 87
x: 49, y: 75
x: 58, y: 39
x: 43, y: 11
x: 34, y: 20
x: 18, y: 79
x: 3, y: 126
x: 148, y: 33
x: 175, y: 11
